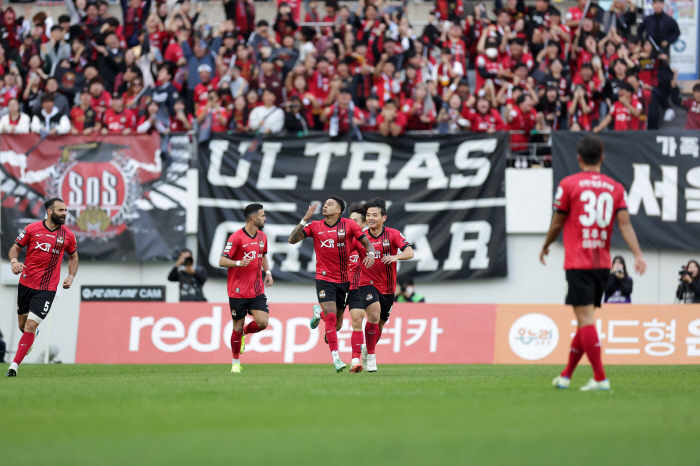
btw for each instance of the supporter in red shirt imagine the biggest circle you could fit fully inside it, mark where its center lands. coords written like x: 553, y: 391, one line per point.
x: 693, y: 106
x: 485, y: 119
x: 386, y: 86
x: 271, y: 79
x: 173, y: 52
x: 625, y: 109
x: 83, y: 118
x: 116, y: 120
x: 201, y: 90
x: 448, y: 73
x: 420, y: 109
x: 575, y: 13
x: 521, y: 119
x: 371, y: 114
x: 181, y: 121
x: 580, y: 110
x: 590, y: 83
x: 219, y: 118
x: 101, y: 99
x: 342, y: 115
x: 489, y: 65
x: 391, y: 121
x: 516, y: 54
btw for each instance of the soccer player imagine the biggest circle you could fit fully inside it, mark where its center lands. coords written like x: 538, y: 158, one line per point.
x: 378, y: 282
x: 332, y: 243
x: 357, y: 311
x: 584, y: 206
x: 46, y: 241
x: 244, y: 256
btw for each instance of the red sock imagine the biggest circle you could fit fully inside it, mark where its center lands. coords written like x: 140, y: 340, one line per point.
x: 236, y: 344
x: 251, y: 328
x: 24, y: 344
x: 591, y: 345
x: 379, y: 334
x: 575, y: 355
x: 371, y: 335
x: 356, y: 340
x: 330, y: 319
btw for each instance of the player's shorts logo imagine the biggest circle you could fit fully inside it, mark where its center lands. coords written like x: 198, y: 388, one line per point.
x: 369, y: 297
x: 322, y: 294
x: 329, y: 243
x: 323, y: 273
x: 249, y: 255
x: 533, y: 336
x: 43, y: 247
x: 385, y: 243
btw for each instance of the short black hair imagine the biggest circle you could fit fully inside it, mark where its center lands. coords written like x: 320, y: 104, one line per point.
x: 391, y: 101
x: 696, y: 88
x: 586, y: 66
x: 590, y: 148
x: 340, y: 202
x: 376, y: 202
x: 522, y: 98
x: 252, y: 209
x: 49, y: 204
x: 63, y: 19
x: 262, y: 23
x: 357, y: 208
x: 47, y: 97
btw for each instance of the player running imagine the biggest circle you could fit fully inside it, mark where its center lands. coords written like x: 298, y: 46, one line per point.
x: 378, y: 283
x: 357, y: 311
x: 244, y: 256
x: 46, y: 241
x: 584, y: 205
x: 332, y: 243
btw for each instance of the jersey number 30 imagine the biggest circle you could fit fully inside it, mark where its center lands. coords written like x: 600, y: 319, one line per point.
x: 598, y: 209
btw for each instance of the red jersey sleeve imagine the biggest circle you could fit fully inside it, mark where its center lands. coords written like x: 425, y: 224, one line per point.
x: 308, y: 230
x: 562, y: 197
x: 231, y: 247
x: 399, y: 241
x: 24, y: 237
x: 265, y: 240
x: 71, y: 244
x: 620, y: 198
x: 356, y: 231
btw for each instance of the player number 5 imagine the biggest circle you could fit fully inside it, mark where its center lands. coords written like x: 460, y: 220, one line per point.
x: 597, y: 209
x: 46, y: 306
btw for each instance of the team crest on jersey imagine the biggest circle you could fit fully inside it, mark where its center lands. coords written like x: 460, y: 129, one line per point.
x: 323, y: 273
x: 386, y: 243
x: 341, y: 234
x: 369, y: 298
x: 238, y: 290
x: 59, y: 240
x: 262, y: 244
x: 322, y: 294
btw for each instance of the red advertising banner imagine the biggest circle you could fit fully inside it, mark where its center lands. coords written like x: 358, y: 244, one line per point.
x: 190, y: 333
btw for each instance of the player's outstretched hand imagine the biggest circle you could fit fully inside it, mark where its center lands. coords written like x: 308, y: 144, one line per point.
x: 68, y: 282
x: 369, y: 261
x: 244, y: 262
x: 17, y: 267
x: 543, y: 253
x: 389, y: 259
x: 310, y: 212
x: 640, y: 265
x: 268, y: 280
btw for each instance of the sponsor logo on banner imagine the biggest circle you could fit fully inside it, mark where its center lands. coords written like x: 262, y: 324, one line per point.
x: 533, y: 336
x: 122, y: 293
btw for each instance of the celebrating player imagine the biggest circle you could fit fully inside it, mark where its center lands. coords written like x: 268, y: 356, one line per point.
x: 378, y: 283
x: 244, y: 256
x: 357, y: 311
x: 46, y: 241
x: 332, y: 243
x: 584, y: 205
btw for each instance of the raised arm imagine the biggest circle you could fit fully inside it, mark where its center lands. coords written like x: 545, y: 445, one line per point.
x: 630, y: 237
x: 298, y: 233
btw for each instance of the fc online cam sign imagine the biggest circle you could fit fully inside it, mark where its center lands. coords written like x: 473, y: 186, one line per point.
x: 122, y: 293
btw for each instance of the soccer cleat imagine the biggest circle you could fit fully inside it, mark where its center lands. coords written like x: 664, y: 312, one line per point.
x: 242, y: 343
x: 236, y: 368
x: 593, y: 385
x: 364, y: 357
x: 36, y: 335
x: 356, y: 369
x: 371, y: 363
x: 317, y: 316
x: 561, y: 382
x: 339, y: 365
x: 12, y: 371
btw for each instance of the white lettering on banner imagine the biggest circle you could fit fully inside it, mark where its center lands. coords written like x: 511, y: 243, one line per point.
x: 137, y: 323
x: 267, y: 166
x: 395, y: 331
x: 311, y: 266
x: 482, y: 165
x: 656, y: 333
x: 424, y: 164
x: 215, y: 323
x: 158, y: 333
x: 417, y: 235
x: 417, y: 332
x: 694, y: 341
x: 642, y: 192
x: 692, y: 196
x: 150, y: 293
x: 255, y: 342
x: 459, y: 244
x: 325, y: 151
x: 434, y: 332
x: 689, y: 146
x: 109, y: 185
x: 291, y: 347
x: 359, y: 164
x: 217, y: 149
x: 75, y: 183
x: 613, y: 339
x: 668, y: 145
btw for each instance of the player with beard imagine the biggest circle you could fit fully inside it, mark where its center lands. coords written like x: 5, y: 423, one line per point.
x: 244, y: 256
x: 46, y: 241
x: 332, y: 243
x: 378, y: 282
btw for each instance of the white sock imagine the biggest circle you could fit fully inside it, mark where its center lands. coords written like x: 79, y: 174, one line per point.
x: 371, y: 357
x: 355, y: 361
x: 236, y: 361
x: 14, y: 365
x: 335, y: 355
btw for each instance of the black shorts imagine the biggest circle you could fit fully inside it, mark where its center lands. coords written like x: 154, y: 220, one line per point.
x: 586, y: 286
x: 38, y: 302
x: 369, y: 295
x: 354, y: 301
x: 240, y: 307
x: 333, y: 292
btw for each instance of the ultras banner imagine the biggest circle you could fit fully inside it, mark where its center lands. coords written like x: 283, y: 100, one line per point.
x: 445, y: 194
x: 661, y: 172
x: 122, y: 203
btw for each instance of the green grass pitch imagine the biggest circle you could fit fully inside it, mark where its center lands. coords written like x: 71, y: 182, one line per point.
x: 308, y: 415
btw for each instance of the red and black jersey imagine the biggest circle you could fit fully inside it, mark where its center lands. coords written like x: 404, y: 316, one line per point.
x: 483, y: 122
x: 590, y: 201
x: 333, y: 245
x: 83, y: 119
x: 118, y: 122
x: 356, y: 253
x: 383, y: 276
x: 693, y: 119
x: 246, y: 282
x: 45, y: 248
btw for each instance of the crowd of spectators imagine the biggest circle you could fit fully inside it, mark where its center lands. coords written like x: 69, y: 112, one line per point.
x: 163, y: 68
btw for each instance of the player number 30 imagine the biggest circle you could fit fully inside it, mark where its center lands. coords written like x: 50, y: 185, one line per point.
x: 598, y: 209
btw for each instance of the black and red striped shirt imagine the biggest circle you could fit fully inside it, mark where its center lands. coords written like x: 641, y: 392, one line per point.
x: 383, y: 276
x: 333, y: 244
x: 246, y: 282
x: 45, y: 248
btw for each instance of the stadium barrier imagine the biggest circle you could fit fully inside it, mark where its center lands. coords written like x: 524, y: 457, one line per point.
x: 189, y: 333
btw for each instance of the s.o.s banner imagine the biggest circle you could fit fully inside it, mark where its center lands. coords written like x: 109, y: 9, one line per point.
x: 445, y: 194
x: 122, y: 203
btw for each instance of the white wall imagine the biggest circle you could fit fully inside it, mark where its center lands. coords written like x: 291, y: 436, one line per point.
x: 528, y: 281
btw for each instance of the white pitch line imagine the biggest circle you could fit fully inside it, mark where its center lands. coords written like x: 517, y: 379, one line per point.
x: 454, y: 205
